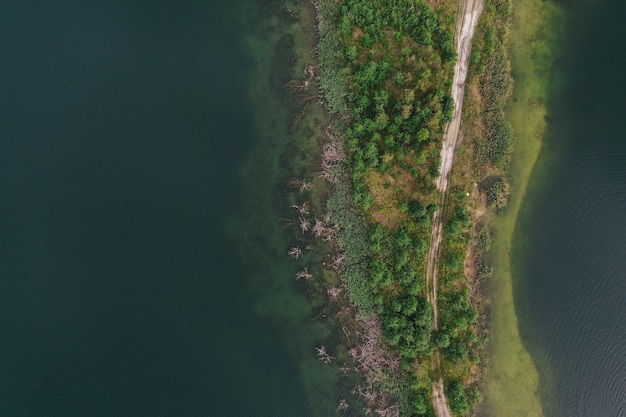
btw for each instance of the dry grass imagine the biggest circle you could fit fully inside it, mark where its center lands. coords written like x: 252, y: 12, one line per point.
x: 389, y: 191
x: 357, y: 33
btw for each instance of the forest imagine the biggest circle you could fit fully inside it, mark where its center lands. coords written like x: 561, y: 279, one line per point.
x: 386, y: 76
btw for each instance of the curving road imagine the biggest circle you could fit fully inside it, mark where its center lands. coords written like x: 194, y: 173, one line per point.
x: 469, y: 13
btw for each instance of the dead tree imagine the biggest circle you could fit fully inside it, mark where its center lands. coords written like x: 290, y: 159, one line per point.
x: 370, y: 396
x: 324, y: 230
x: 303, y: 209
x: 323, y: 355
x: 337, y: 260
x: 307, y: 97
x: 345, y: 368
x: 304, y: 274
x: 297, y: 118
x: 388, y: 411
x: 332, y: 155
x: 333, y: 293
x: 296, y: 86
x: 374, y: 361
x: 343, y: 405
x: 295, y: 252
x: 305, y: 224
x: 309, y: 72
x: 301, y: 184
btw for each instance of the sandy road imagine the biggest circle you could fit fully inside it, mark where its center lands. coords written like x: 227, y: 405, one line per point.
x: 469, y: 12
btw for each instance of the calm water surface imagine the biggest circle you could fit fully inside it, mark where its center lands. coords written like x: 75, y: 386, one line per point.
x: 122, y: 124
x: 571, y: 237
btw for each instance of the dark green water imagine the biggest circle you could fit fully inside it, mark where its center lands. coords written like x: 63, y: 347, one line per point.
x: 125, y: 130
x: 570, y: 243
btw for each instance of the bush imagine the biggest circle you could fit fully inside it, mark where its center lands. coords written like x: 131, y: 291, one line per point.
x: 419, y: 405
x: 457, y: 397
x: 497, y: 190
x: 499, y: 141
x: 416, y: 210
x: 443, y: 340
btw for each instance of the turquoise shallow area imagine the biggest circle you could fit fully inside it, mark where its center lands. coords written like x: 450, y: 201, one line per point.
x: 142, y: 156
x: 569, y: 249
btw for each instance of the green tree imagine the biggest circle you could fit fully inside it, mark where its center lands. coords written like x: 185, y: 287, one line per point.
x: 417, y: 211
x: 419, y: 405
x: 457, y: 397
x: 443, y: 340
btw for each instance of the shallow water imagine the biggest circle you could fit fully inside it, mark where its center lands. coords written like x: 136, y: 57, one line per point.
x: 512, y: 380
x: 568, y: 262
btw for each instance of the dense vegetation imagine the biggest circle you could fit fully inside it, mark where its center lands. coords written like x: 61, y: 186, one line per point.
x: 490, y: 72
x: 490, y: 62
x: 386, y: 73
x: 396, y: 64
x: 480, y: 166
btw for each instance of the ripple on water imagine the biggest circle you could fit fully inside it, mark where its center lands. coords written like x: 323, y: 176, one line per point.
x: 574, y: 286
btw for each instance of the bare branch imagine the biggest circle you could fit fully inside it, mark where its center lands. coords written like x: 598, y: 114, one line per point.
x: 343, y: 405
x: 305, y: 224
x: 323, y: 355
x: 301, y: 184
x: 295, y: 86
x: 295, y: 252
x: 297, y: 118
x: 338, y: 260
x: 304, y: 274
x: 309, y: 73
x: 303, y: 209
x: 333, y: 293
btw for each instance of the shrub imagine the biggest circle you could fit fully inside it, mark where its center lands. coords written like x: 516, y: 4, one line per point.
x: 497, y: 190
x: 457, y: 397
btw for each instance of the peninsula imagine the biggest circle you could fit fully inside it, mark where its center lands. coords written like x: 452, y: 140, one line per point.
x: 415, y: 178
x: 397, y: 87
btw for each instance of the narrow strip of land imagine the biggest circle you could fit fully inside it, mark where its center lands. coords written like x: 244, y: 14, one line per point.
x: 469, y: 12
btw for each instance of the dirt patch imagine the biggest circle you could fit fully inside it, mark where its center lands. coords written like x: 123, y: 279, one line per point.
x: 474, y: 90
x: 389, y: 191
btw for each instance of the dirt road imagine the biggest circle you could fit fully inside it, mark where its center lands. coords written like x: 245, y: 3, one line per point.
x: 469, y: 12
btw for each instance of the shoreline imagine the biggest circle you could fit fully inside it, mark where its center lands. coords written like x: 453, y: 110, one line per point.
x: 512, y: 382
x: 291, y: 290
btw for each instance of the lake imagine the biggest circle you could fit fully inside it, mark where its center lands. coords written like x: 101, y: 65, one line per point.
x: 142, y: 169
x: 569, y: 262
